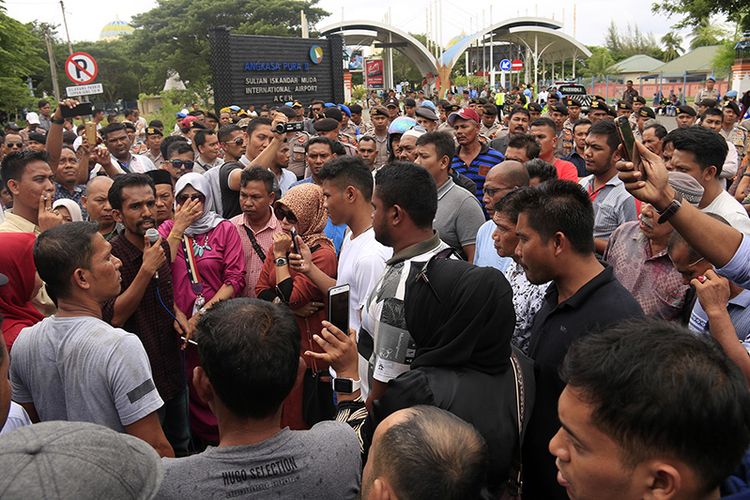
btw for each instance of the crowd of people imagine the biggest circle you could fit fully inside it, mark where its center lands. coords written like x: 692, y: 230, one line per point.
x: 532, y: 310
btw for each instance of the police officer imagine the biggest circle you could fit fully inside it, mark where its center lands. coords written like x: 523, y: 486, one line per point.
x: 598, y: 111
x: 624, y: 108
x: 708, y: 92
x: 558, y: 113
x: 490, y: 126
x: 638, y: 102
x: 574, y: 112
x: 645, y: 114
x: 427, y: 118
x: 380, y: 120
x: 329, y: 127
x: 297, y: 161
x: 732, y: 132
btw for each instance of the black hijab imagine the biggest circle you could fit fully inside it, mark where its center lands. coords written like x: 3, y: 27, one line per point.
x: 460, y: 316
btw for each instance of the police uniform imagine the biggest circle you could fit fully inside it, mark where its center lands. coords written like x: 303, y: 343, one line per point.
x: 490, y: 132
x: 738, y: 136
x: 297, y: 161
x: 707, y: 94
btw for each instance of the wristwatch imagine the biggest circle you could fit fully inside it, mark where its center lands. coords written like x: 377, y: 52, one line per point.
x: 281, y: 261
x: 345, y: 385
x: 671, y: 209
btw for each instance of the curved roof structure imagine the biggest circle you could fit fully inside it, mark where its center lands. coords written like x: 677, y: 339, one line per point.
x: 115, y: 29
x: 539, y: 34
x: 364, y: 32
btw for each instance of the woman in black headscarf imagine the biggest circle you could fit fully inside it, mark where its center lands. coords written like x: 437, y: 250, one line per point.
x: 461, y: 318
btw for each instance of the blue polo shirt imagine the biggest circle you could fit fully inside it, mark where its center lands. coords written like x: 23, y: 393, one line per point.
x: 477, y: 170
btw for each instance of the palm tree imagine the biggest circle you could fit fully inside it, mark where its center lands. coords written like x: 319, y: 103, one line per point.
x: 705, y: 34
x: 672, y: 46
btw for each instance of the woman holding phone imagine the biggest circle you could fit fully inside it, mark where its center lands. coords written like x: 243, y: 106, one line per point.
x: 301, y: 211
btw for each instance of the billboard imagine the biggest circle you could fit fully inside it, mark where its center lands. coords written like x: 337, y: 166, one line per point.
x: 374, y: 78
x: 354, y: 60
x: 251, y: 69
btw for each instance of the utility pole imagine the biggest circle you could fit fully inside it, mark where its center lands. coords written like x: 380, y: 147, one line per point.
x: 52, y: 65
x: 65, y: 23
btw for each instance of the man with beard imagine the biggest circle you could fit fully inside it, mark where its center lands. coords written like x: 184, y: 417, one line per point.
x: 146, y: 290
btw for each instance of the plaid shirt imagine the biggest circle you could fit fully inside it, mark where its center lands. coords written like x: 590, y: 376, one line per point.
x: 150, y: 322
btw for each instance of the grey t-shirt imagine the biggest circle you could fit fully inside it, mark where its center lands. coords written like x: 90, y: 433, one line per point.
x: 458, y: 216
x: 323, y: 462
x: 82, y: 369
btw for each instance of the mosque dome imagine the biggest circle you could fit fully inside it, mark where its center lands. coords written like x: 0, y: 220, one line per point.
x: 115, y: 29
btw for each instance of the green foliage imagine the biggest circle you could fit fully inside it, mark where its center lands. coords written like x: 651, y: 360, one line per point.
x: 175, y: 34
x: 724, y: 58
x: 630, y: 43
x: 706, y: 34
x: 358, y: 93
x: 598, y: 64
x: 20, y: 55
x: 403, y: 68
x: 476, y: 82
x: 694, y: 12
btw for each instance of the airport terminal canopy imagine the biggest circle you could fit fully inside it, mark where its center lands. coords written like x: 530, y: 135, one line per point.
x: 366, y: 32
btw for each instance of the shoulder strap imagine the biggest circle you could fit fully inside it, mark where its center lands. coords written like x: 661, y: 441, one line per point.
x: 254, y: 243
x: 515, y: 481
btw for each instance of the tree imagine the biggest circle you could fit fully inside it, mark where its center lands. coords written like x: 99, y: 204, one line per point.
x: 693, y: 12
x: 175, y: 34
x: 706, y: 34
x: 724, y: 58
x: 20, y: 56
x: 672, y: 46
x: 599, y: 63
x: 630, y: 43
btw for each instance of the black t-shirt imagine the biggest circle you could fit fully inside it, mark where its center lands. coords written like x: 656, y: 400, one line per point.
x: 599, y: 303
x: 230, y: 200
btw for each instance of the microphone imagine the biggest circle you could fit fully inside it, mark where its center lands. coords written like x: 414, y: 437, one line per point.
x: 153, y: 236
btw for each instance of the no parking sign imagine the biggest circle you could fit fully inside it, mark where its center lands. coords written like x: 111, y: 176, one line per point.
x: 81, y: 68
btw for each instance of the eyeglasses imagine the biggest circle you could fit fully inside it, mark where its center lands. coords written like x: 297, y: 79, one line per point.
x: 238, y: 141
x: 282, y: 213
x: 185, y: 197
x: 14, y: 144
x: 186, y: 164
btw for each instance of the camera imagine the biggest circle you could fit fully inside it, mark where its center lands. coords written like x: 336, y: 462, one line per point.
x: 289, y: 127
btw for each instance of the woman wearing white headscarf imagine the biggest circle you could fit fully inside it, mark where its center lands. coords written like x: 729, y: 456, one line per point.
x: 207, y: 266
x: 69, y: 210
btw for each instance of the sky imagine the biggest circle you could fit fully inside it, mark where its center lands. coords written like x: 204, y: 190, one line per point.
x: 87, y: 17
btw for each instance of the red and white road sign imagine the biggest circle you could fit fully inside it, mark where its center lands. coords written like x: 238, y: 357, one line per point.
x: 516, y: 65
x: 81, y: 68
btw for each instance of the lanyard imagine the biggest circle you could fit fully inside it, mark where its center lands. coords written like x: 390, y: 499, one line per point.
x: 192, y: 266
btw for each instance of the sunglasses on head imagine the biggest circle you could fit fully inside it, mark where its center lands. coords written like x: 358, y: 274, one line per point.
x: 186, y: 164
x: 185, y: 197
x: 282, y: 213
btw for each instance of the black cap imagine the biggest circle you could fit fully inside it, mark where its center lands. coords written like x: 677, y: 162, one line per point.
x: 733, y: 106
x: 392, y: 102
x: 37, y: 137
x: 160, y: 176
x: 334, y: 113
x: 287, y: 111
x: 709, y: 103
x: 535, y: 106
x: 623, y: 106
x: 559, y: 108
x: 325, y: 125
x: 356, y: 108
x: 646, y: 112
x: 569, y: 101
x: 153, y: 131
x: 410, y: 102
x: 688, y: 110
x: 379, y: 111
x: 597, y: 104
x: 639, y: 98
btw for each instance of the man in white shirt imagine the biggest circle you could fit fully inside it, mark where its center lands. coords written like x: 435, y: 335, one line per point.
x: 347, y: 187
x: 117, y: 158
x: 700, y: 153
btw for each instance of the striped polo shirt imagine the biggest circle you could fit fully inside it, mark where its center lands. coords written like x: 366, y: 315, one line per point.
x: 477, y: 170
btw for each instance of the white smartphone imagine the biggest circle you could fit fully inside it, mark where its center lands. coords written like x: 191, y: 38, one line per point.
x: 338, y: 307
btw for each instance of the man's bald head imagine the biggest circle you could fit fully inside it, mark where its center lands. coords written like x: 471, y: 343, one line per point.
x: 510, y: 171
x: 98, y: 184
x: 452, y: 462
